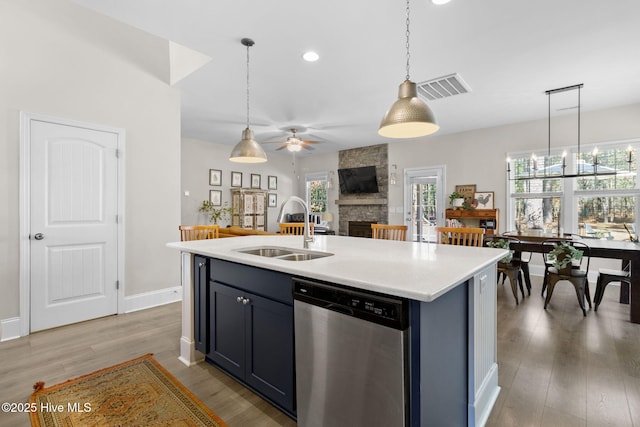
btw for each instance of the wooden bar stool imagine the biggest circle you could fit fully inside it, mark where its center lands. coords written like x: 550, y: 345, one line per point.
x: 461, y: 236
x: 294, y: 228
x: 198, y: 232
x: 389, y: 232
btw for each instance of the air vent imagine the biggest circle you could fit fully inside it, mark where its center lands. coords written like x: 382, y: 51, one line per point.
x: 443, y: 87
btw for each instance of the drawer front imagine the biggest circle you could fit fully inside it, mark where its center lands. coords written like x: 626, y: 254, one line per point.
x: 480, y: 213
x: 266, y: 283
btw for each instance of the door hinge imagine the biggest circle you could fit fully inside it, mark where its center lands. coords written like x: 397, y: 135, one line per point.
x: 117, y: 284
x: 117, y: 219
x: 117, y: 153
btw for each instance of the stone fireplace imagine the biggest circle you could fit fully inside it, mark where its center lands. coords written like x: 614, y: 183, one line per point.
x: 366, y: 208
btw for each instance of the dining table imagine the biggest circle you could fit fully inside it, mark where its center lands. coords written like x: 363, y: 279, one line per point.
x: 628, y: 252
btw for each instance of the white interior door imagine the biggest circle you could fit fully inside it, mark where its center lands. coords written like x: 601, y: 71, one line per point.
x: 423, y: 202
x: 73, y: 223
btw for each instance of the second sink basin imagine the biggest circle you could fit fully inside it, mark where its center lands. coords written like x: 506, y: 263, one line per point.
x: 267, y: 251
x: 286, y: 254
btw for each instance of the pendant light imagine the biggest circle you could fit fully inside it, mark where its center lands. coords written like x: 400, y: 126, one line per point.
x: 248, y: 150
x: 409, y: 116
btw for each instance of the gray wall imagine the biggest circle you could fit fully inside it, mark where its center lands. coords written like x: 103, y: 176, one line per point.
x: 62, y: 60
x: 200, y: 156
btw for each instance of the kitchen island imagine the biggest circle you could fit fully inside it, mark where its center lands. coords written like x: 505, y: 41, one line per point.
x: 451, y: 290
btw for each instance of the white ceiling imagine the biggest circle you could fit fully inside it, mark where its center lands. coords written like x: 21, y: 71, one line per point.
x: 509, y: 52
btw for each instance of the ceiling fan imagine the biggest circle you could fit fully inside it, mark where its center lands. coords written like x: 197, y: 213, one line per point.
x: 293, y: 143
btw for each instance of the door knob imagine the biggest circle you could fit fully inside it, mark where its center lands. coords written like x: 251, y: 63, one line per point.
x: 239, y: 299
x: 39, y: 236
x: 246, y: 301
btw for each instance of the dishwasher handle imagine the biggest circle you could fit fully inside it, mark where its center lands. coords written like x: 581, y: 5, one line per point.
x: 340, y: 309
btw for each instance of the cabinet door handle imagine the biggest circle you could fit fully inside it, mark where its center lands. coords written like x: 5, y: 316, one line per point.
x: 246, y: 301
x: 201, y: 264
x: 239, y: 299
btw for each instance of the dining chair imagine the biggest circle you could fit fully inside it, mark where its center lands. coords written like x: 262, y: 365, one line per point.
x: 389, y: 232
x: 576, y: 274
x: 509, y: 266
x: 294, y: 228
x: 606, y: 276
x: 522, y: 258
x: 460, y: 236
x: 199, y: 232
x: 547, y: 246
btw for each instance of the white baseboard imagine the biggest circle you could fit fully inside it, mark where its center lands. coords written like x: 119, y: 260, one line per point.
x: 152, y: 299
x: 9, y: 329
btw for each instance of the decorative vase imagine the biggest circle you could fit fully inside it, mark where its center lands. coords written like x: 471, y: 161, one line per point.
x: 457, y: 203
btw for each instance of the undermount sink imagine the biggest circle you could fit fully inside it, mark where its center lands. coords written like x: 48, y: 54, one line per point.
x: 286, y: 254
x: 268, y: 252
x: 303, y: 256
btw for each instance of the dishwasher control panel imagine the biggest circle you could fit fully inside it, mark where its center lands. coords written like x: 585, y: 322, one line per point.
x: 386, y: 310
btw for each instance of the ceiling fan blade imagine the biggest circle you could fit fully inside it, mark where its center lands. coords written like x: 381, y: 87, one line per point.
x: 282, y: 147
x: 315, y: 137
x: 306, y: 147
x: 312, y: 142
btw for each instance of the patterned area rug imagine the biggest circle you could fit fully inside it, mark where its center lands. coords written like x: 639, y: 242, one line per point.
x: 139, y: 392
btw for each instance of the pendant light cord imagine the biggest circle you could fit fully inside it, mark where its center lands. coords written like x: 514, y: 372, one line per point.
x: 549, y: 124
x: 248, y: 85
x: 408, y: 33
x: 579, y: 122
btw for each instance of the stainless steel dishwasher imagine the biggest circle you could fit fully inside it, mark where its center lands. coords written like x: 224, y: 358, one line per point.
x: 351, y: 357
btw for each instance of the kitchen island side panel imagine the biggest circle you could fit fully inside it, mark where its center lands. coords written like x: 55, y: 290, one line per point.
x: 444, y: 359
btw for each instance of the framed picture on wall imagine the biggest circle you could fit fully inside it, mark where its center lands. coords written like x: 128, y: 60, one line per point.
x: 272, y: 182
x: 236, y: 179
x: 215, y: 177
x: 273, y: 200
x: 255, y: 180
x: 468, y: 191
x: 215, y: 197
x: 483, y: 200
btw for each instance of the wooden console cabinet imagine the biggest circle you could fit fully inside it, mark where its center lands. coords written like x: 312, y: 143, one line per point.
x: 483, y: 218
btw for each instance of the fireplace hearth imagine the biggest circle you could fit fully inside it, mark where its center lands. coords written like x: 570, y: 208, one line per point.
x: 360, y: 228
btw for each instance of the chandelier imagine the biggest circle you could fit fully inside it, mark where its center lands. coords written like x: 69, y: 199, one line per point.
x: 594, y: 169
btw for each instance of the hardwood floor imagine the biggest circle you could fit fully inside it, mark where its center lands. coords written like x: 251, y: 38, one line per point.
x: 56, y: 355
x: 557, y: 368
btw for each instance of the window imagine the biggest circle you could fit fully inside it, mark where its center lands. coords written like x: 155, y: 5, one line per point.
x: 603, y: 206
x: 316, y: 189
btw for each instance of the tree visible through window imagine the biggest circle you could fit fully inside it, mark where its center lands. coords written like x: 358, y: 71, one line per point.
x: 602, y: 207
x: 317, y: 193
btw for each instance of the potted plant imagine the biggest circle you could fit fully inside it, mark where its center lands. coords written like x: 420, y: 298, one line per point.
x: 456, y: 199
x: 215, y: 213
x: 562, y: 256
x: 502, y: 244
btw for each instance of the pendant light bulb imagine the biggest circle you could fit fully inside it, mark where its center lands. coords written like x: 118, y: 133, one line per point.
x: 248, y: 150
x: 409, y: 116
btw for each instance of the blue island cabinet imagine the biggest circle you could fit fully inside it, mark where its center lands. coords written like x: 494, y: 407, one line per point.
x: 250, y: 329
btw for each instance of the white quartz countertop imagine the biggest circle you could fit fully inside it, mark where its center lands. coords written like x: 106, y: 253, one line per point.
x: 419, y: 271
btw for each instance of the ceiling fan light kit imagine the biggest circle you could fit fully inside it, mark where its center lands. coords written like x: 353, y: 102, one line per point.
x: 409, y: 116
x: 248, y: 150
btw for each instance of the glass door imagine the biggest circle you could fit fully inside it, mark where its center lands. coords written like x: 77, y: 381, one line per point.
x: 424, y: 202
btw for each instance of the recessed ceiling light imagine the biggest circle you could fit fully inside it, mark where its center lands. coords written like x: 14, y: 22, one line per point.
x: 440, y: 1
x: 310, y: 56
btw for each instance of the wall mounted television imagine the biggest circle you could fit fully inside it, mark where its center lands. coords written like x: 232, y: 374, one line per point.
x: 358, y: 180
